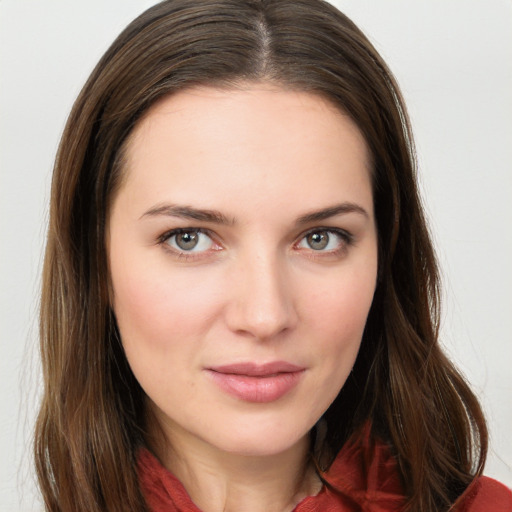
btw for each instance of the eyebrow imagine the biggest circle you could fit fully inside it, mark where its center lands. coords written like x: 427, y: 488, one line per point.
x: 332, y: 211
x: 216, y: 217
x: 187, y: 212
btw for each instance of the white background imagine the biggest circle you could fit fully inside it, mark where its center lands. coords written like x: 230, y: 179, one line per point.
x: 453, y: 59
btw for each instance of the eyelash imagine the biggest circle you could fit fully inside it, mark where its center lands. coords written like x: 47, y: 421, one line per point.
x: 347, y: 239
x: 186, y: 255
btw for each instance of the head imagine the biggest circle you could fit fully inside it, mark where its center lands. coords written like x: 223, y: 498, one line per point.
x: 301, y: 46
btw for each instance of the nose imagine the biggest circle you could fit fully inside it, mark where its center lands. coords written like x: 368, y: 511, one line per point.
x: 261, y: 301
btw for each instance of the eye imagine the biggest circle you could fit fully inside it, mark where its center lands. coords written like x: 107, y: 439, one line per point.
x: 188, y: 240
x: 324, y: 240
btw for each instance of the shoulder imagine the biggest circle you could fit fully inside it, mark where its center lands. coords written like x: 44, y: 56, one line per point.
x: 485, y: 494
x: 366, y: 472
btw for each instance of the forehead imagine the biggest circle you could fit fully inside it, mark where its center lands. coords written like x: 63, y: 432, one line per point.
x: 257, y: 139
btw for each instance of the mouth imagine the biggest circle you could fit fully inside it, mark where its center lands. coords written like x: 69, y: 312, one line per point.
x: 259, y: 383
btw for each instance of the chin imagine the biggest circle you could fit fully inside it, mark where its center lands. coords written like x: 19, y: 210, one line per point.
x: 260, y: 442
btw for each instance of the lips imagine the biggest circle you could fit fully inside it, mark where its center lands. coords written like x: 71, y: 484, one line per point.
x: 258, y: 383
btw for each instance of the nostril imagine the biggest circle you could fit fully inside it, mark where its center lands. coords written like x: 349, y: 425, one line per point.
x: 262, y: 313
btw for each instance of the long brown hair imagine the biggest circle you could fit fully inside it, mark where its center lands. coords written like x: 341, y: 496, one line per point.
x: 92, y: 419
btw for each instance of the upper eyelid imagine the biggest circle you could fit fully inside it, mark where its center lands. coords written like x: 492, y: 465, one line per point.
x: 329, y: 229
x: 176, y: 231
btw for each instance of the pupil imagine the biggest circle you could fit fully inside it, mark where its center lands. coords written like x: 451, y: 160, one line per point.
x: 187, y: 241
x: 318, y: 241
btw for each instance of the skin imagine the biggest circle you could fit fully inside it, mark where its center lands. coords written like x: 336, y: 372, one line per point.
x: 254, y: 289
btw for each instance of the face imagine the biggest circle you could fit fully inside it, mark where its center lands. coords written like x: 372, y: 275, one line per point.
x: 243, y: 258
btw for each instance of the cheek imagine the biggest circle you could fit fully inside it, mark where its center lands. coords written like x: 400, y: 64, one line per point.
x: 338, y: 314
x: 341, y: 305
x: 161, y: 313
x: 160, y: 321
x: 142, y: 307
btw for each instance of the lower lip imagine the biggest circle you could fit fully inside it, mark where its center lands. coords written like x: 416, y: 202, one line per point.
x: 260, y: 389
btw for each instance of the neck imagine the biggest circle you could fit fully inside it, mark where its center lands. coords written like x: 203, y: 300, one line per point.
x: 219, y: 481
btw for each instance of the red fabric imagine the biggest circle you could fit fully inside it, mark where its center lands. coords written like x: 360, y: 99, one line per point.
x: 363, y: 478
x: 485, y: 495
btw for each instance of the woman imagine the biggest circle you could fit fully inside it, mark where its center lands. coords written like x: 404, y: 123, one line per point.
x: 240, y: 297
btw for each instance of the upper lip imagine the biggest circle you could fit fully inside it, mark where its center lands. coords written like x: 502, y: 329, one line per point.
x: 257, y: 370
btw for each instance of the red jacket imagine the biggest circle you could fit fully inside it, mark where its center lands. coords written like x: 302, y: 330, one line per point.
x: 363, y: 478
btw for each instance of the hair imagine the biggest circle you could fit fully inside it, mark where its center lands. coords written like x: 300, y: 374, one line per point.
x: 92, y: 418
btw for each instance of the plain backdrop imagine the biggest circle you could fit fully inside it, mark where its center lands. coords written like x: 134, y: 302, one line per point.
x: 453, y: 59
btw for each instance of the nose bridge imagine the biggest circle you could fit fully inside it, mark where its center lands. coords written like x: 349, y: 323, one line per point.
x: 262, y: 303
